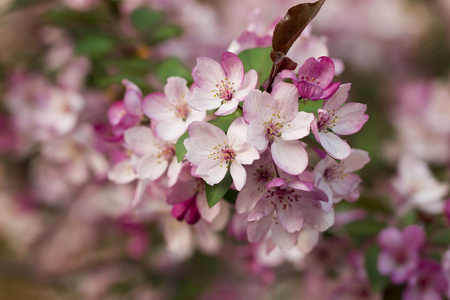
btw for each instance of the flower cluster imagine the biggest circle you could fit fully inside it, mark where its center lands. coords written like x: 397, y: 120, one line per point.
x: 285, y: 159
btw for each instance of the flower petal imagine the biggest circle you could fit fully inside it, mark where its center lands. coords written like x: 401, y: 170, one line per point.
x: 351, y: 118
x: 207, y: 73
x: 233, y: 68
x: 334, y: 145
x: 299, y: 127
x: 286, y: 96
x: 283, y: 239
x: 256, y: 230
x: 238, y: 174
x: 290, y: 156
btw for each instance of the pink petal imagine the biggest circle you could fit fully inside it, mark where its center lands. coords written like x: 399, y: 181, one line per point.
x: 256, y: 230
x: 212, y: 171
x: 176, y: 89
x: 283, y: 239
x: 309, y: 90
x: 116, y: 112
x: 248, y: 196
x: 391, y: 239
x: 288, y: 74
x: 238, y: 174
x: 170, y: 131
x: 330, y: 90
x: 249, y: 84
x: 414, y: 236
x: 290, y: 156
x: 139, y: 192
x: 351, y: 118
x: 132, y: 98
x: 140, y: 139
x: 202, y: 99
x: 207, y: 213
x: 122, y: 172
x: 262, y: 209
x: 356, y: 160
x: 256, y: 136
x: 299, y: 127
x: 334, y: 145
x: 150, y: 167
x: 180, y: 192
x: 233, y: 68
x: 307, y: 239
x: 228, y: 107
x: 311, y: 68
x: 207, y: 73
x: 290, y: 217
x: 156, y: 106
x: 326, y: 71
x: 286, y: 96
x: 258, y: 106
x: 338, y: 99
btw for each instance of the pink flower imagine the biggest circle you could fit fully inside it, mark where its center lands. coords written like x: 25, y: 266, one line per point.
x: 274, y: 119
x: 127, y: 113
x: 169, y: 111
x: 213, y: 152
x: 337, y: 178
x: 399, y: 254
x: 336, y: 119
x: 220, y: 85
x: 314, y: 78
x: 428, y: 282
x: 417, y: 186
x: 285, y: 208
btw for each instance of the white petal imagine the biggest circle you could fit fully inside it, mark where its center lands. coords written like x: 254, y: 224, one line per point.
x: 212, y: 171
x: 122, y: 172
x: 299, y: 127
x: 282, y: 238
x: 151, y: 168
x: 238, y: 174
x: 334, y: 145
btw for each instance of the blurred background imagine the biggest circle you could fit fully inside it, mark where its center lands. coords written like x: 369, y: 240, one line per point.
x: 64, y: 228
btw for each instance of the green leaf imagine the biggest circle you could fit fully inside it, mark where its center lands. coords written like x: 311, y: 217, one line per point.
x: 289, y: 28
x: 377, y: 281
x: 216, y: 192
x: 172, y: 66
x: 223, y: 122
x: 180, y: 150
x: 310, y: 106
x: 257, y: 59
x: 165, y: 33
x: 144, y: 19
x: 94, y: 46
x: 364, y: 228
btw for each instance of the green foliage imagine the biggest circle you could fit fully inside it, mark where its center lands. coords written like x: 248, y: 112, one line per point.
x: 259, y: 60
x: 377, y: 281
x: 180, y: 150
x: 310, y: 106
x: 94, y: 46
x: 172, y: 66
x: 216, y: 192
x: 144, y: 19
x: 364, y: 228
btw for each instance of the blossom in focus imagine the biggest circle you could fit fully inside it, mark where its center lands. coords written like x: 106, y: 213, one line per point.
x: 336, y: 118
x: 399, y: 254
x: 336, y: 178
x: 274, y: 120
x: 212, y: 151
x: 220, y: 85
x: 314, y: 78
x: 169, y: 112
x: 417, y: 186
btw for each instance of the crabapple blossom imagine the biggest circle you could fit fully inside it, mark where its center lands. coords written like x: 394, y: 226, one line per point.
x: 274, y: 120
x: 127, y: 113
x: 169, y: 112
x: 220, y: 85
x: 284, y: 208
x: 336, y: 119
x: 212, y: 151
x: 417, y: 186
x: 149, y: 159
x: 427, y: 282
x: 314, y: 78
x: 399, y: 254
x: 188, y: 198
x: 336, y: 178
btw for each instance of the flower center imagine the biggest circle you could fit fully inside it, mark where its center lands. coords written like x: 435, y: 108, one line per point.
x: 327, y: 120
x: 282, y: 198
x: 263, y: 175
x: 310, y: 79
x: 167, y: 152
x: 333, y: 172
x: 224, y: 153
x: 273, y: 129
x: 182, y: 111
x: 224, y: 89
